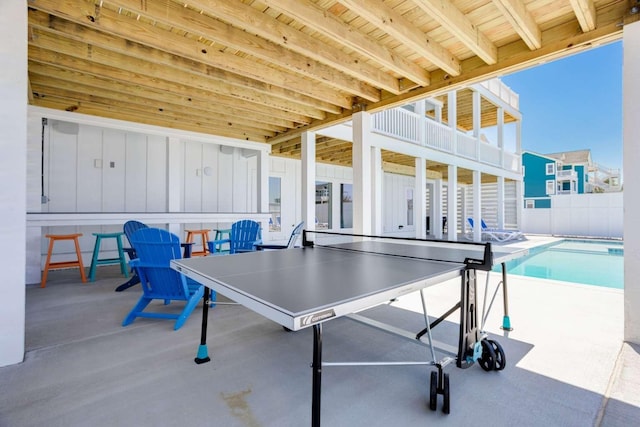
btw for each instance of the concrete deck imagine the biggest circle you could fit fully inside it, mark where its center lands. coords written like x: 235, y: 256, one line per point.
x: 566, y: 364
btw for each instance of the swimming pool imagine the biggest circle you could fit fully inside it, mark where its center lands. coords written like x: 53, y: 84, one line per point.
x: 598, y: 263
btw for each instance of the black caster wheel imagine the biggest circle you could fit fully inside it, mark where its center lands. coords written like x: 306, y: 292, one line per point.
x: 501, y: 360
x: 433, y: 391
x: 488, y: 359
x: 446, y: 405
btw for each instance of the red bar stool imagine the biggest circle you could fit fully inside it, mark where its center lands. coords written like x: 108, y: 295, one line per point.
x: 204, y: 234
x: 63, y: 264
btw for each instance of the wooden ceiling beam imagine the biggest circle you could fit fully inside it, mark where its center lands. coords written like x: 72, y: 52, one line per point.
x: 134, y: 66
x: 560, y: 41
x: 119, y: 114
x: 116, y: 32
x: 209, y: 29
x: 585, y: 11
x: 255, y: 22
x: 177, y: 94
x: 329, y: 25
x: 521, y: 20
x: 461, y: 28
x: 398, y: 27
x: 163, y: 113
x: 62, y: 89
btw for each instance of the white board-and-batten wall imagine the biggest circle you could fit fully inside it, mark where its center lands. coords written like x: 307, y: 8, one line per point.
x: 79, y: 167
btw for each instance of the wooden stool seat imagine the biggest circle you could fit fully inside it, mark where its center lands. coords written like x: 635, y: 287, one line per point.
x: 96, y: 261
x: 204, y: 234
x: 63, y: 264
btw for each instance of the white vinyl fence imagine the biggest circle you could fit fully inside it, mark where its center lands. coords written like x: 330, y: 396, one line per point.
x: 588, y: 215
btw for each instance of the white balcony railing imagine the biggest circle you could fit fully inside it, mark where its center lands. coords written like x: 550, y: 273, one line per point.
x: 404, y: 125
x: 438, y: 136
x: 397, y: 123
x: 467, y: 146
x: 566, y: 175
x: 503, y: 91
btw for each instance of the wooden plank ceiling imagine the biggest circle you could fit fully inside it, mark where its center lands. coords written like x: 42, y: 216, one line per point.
x: 267, y: 70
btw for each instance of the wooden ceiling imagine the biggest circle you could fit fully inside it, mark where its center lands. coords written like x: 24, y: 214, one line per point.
x: 267, y: 70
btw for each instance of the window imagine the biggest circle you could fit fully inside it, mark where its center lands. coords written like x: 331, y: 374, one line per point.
x: 529, y: 204
x: 551, y: 168
x: 323, y: 205
x: 275, y: 203
x: 346, y: 206
x: 551, y: 186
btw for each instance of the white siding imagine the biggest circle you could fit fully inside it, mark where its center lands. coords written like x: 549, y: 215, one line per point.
x: 94, y: 169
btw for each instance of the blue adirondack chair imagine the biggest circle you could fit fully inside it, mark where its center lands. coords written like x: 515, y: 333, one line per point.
x: 293, y: 238
x: 129, y: 228
x: 155, y: 248
x: 245, y: 234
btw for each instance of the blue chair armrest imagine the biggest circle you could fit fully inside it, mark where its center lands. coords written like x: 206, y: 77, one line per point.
x: 214, y: 243
x: 131, y: 253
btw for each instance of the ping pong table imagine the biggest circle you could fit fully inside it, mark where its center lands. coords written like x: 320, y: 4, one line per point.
x: 305, y: 287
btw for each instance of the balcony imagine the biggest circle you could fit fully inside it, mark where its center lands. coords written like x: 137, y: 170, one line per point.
x: 566, y: 175
x: 407, y: 126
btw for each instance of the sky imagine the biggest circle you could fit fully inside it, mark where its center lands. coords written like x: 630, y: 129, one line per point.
x: 574, y: 103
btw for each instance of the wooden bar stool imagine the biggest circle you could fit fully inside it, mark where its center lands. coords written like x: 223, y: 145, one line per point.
x: 204, y: 234
x: 96, y: 261
x: 63, y: 264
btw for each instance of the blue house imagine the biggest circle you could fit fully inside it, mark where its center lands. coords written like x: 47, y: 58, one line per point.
x: 571, y: 172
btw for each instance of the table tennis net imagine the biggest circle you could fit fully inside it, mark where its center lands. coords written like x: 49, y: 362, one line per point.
x: 476, y: 255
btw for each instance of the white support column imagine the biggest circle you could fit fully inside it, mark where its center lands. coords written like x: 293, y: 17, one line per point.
x: 452, y: 103
x: 477, y: 207
x: 420, y: 110
x: 263, y: 188
x: 431, y: 211
x: 465, y: 214
x: 376, y: 184
x: 263, y: 181
x: 13, y: 175
x: 500, y: 197
x: 438, y: 115
x: 519, y: 204
x: 519, y: 143
x: 631, y: 158
x: 477, y: 120
x: 361, y: 173
x: 308, y: 156
x: 436, y: 221
x: 500, y: 114
x: 420, y: 198
x: 477, y: 113
x: 175, y: 175
x: 452, y: 204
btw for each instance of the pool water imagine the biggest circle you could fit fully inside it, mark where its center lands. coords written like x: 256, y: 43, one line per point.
x: 596, y: 263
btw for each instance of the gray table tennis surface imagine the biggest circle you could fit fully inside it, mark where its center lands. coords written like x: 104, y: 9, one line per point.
x: 303, y: 286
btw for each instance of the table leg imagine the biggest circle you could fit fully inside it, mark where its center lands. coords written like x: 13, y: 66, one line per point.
x: 203, y: 353
x: 506, y: 322
x: 468, y: 338
x: 317, y: 375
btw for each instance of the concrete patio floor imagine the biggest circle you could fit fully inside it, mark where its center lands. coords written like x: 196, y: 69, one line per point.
x: 566, y: 363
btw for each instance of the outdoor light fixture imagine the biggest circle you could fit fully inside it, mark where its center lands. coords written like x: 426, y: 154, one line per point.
x: 635, y: 8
